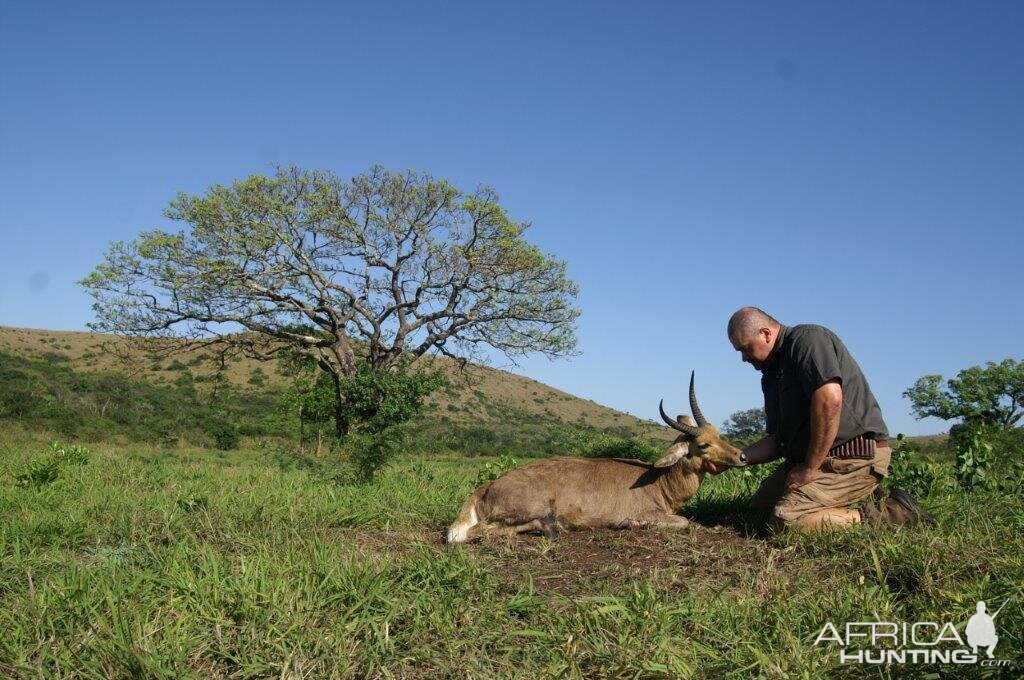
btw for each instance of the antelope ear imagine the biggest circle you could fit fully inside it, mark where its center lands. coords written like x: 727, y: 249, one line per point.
x: 670, y: 459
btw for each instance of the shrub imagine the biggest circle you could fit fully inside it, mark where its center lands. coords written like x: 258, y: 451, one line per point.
x: 476, y: 440
x: 45, y: 470
x: 40, y: 471
x: 973, y: 455
x: 370, y: 452
x: 1008, y: 460
x: 491, y: 471
x: 225, y: 435
x: 164, y: 435
x: 910, y: 472
x: 634, y: 447
x: 66, y: 454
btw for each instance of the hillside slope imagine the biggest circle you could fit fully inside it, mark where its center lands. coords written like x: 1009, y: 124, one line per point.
x: 479, y: 402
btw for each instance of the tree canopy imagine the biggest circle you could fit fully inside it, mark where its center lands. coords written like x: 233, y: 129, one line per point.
x: 375, y: 271
x: 992, y: 394
x: 746, y: 426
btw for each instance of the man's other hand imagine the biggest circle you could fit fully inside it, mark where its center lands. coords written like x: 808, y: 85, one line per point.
x: 799, y: 476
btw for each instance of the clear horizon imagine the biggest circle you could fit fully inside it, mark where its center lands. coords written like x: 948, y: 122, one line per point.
x: 857, y: 166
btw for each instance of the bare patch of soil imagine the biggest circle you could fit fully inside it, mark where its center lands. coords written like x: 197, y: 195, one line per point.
x: 700, y: 557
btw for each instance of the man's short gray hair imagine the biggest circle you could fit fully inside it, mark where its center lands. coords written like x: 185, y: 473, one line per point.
x: 749, y: 320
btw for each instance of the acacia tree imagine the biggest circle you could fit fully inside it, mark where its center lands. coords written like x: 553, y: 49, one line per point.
x: 745, y: 426
x: 376, y: 271
x: 992, y: 394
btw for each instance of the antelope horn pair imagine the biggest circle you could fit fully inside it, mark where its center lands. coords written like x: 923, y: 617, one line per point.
x: 694, y: 408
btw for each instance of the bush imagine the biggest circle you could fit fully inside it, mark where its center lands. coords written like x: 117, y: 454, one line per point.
x: 491, y: 471
x: 911, y: 472
x: 1008, y: 460
x: 46, y: 470
x: 476, y: 440
x: 40, y: 472
x: 634, y: 447
x: 973, y: 455
x: 370, y: 452
x: 225, y: 435
x: 66, y: 454
x: 94, y: 406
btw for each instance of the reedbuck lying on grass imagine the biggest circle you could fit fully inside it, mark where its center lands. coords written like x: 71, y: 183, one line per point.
x: 575, y: 493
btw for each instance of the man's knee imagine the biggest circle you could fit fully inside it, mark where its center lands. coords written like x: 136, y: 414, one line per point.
x: 786, y: 517
x: 812, y: 519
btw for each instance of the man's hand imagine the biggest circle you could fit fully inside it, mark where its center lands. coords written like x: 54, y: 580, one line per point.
x: 800, y: 475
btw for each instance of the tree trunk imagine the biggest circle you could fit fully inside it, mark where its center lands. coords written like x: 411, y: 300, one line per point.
x: 340, y: 420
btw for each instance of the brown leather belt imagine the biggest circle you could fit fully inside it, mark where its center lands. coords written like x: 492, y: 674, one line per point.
x: 862, y: 448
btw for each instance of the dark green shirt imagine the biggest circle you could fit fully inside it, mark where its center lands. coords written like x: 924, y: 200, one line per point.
x: 805, y: 358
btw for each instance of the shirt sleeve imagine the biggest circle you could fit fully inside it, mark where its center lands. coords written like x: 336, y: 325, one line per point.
x: 817, y: 361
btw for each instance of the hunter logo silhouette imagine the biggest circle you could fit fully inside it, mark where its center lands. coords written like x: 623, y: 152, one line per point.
x: 981, y: 630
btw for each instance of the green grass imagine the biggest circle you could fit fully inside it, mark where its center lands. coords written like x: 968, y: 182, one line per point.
x: 150, y: 562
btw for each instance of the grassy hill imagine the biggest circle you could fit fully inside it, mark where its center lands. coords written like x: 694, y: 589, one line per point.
x: 82, y: 385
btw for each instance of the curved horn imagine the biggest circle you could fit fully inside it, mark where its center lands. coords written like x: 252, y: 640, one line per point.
x: 685, y: 429
x: 697, y: 415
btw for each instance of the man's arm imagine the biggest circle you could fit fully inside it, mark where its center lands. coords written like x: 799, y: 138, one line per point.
x: 762, y: 451
x: 826, y: 408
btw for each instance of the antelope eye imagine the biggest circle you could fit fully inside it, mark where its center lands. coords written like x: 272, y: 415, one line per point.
x: 704, y: 447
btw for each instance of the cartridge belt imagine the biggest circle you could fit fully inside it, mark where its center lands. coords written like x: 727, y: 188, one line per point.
x: 862, y: 448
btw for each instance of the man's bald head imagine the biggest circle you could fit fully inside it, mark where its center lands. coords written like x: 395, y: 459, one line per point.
x: 753, y: 333
x: 747, y: 321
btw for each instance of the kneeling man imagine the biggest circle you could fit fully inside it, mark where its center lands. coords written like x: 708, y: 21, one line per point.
x: 823, y: 419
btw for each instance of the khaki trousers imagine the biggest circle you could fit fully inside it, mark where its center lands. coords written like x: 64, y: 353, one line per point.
x: 842, y: 483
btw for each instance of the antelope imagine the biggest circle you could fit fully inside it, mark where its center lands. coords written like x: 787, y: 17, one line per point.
x: 564, y: 494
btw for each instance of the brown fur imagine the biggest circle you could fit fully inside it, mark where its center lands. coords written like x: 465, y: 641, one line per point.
x: 573, y: 493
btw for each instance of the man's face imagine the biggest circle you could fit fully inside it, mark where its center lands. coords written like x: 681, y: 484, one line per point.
x: 756, y: 348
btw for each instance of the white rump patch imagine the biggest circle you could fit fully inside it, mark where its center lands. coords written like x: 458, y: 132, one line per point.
x: 459, y: 532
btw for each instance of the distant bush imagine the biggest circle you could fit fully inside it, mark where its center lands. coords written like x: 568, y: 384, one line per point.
x: 225, y: 435
x: 634, y: 447
x: 69, y: 454
x: 100, y: 405
x: 1007, y: 465
x: 370, y: 452
x: 745, y: 427
x: 42, y: 471
x: 1008, y: 444
x: 476, y: 440
x: 491, y: 471
x: 973, y: 449
x: 912, y: 472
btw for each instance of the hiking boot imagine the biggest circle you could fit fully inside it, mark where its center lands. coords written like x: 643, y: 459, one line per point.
x: 911, y: 505
x: 898, y: 508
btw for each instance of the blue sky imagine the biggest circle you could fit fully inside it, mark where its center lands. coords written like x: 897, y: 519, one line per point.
x: 857, y: 165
